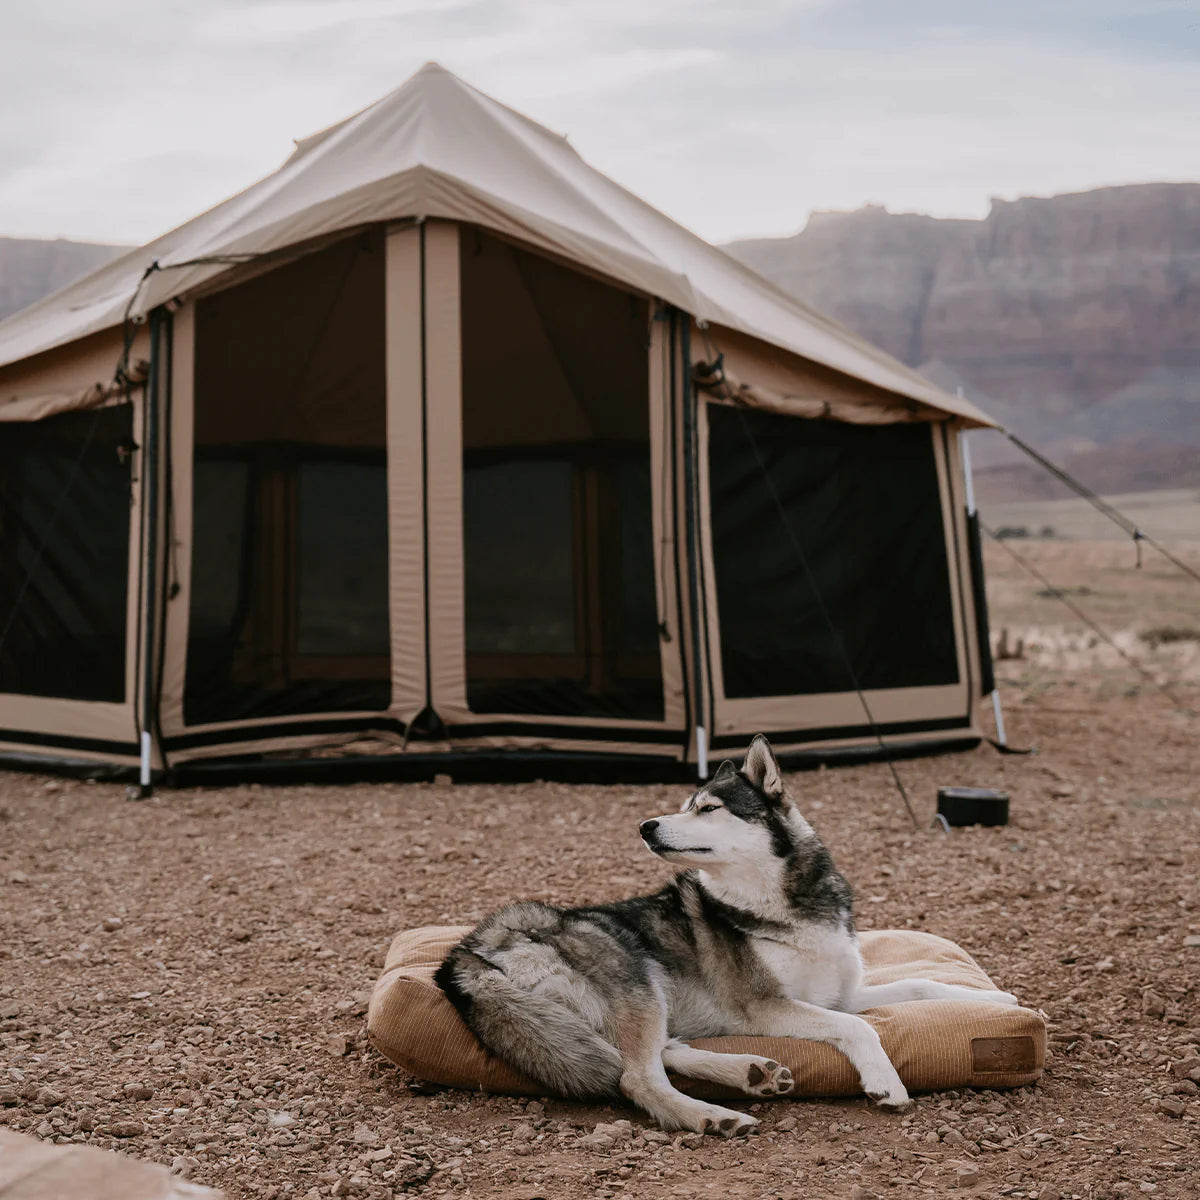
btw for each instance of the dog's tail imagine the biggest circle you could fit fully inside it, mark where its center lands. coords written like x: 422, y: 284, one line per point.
x: 541, y: 1037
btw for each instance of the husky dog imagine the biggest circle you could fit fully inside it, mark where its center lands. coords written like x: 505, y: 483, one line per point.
x: 756, y: 937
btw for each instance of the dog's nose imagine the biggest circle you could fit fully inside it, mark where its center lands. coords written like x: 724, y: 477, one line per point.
x: 648, y: 827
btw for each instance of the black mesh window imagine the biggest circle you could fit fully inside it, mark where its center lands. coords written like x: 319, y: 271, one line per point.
x: 289, y: 595
x: 862, y: 503
x: 64, y: 555
x: 557, y: 502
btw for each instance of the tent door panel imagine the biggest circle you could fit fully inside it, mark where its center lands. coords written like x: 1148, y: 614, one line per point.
x: 289, y: 595
x: 546, y: 494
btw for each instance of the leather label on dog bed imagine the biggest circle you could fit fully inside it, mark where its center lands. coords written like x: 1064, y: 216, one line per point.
x: 1003, y: 1056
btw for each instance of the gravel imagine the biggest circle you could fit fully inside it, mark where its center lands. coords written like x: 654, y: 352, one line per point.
x: 185, y: 979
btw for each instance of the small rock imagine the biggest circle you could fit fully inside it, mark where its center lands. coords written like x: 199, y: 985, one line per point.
x: 138, y: 1091
x: 1153, y: 1005
x: 1170, y: 1106
x: 1192, y: 941
x: 1049, y: 1192
x: 967, y: 1175
x: 1186, y: 1068
x: 280, y: 1120
x: 598, y: 1143
x: 410, y: 1172
x: 786, y: 1125
x: 111, y: 924
x: 338, y: 1045
x: 364, y: 1135
x: 858, y: 1192
x: 443, y: 780
x: 692, y: 1140
x: 9, y: 1096
x: 656, y: 1137
x: 619, y: 1131
x: 1062, y: 791
x: 18, y: 877
x: 49, y: 1097
x: 125, y: 1129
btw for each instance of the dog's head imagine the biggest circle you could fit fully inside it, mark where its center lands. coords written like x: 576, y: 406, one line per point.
x: 741, y: 815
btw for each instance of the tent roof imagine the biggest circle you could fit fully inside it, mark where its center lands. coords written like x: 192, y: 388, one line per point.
x: 436, y: 147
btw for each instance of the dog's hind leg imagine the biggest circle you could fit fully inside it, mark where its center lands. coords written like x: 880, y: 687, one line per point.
x: 753, y: 1075
x: 904, y: 990
x: 641, y: 1040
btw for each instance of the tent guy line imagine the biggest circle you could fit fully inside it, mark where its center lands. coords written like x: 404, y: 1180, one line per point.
x: 1058, y: 594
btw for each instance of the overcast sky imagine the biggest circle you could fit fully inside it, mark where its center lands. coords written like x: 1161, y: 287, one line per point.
x: 122, y: 118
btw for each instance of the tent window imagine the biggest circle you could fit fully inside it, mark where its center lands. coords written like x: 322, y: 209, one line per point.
x: 64, y: 555
x: 863, y: 503
x: 557, y: 517
x: 289, y: 598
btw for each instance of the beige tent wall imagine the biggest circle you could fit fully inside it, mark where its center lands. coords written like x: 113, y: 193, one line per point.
x: 87, y: 730
x: 763, y: 376
x: 78, y: 375
x: 426, y: 583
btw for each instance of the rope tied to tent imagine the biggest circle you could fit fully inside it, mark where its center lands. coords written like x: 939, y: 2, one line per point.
x: 1102, y: 506
x: 1058, y: 594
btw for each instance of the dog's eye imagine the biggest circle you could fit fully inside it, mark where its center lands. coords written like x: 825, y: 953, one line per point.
x: 708, y: 808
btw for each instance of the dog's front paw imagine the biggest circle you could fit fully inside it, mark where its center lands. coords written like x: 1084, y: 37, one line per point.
x: 883, y: 1086
x: 768, y: 1078
x: 897, y: 1100
x: 724, y: 1122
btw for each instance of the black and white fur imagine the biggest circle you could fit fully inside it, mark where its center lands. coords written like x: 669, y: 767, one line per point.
x: 756, y: 937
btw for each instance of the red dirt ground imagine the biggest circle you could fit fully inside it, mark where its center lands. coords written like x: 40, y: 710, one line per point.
x: 184, y: 979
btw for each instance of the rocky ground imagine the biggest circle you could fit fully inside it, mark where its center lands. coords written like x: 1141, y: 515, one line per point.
x: 185, y: 979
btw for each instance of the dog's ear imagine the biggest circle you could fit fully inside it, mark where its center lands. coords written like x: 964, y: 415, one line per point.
x: 724, y: 771
x: 762, y: 769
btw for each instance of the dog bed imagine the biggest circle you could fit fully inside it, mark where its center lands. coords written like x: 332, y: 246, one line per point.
x: 934, y: 1044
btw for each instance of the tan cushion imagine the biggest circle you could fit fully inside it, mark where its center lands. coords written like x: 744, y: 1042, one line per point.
x: 31, y: 1169
x: 934, y: 1044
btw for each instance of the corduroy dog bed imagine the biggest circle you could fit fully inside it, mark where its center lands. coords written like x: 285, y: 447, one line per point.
x: 934, y: 1044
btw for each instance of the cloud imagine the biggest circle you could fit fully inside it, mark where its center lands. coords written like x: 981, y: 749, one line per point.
x: 124, y: 119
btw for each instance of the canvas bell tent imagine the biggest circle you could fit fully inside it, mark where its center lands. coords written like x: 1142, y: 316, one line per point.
x: 436, y: 442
